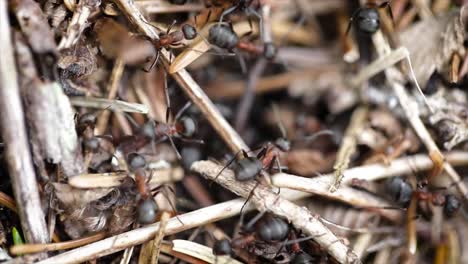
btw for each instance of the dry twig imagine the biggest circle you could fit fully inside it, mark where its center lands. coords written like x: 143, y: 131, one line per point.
x: 17, y: 151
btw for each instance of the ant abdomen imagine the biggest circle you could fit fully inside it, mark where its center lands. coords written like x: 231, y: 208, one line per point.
x: 178, y: 2
x: 91, y: 144
x: 303, y: 258
x: 368, y: 20
x: 273, y: 229
x: 452, y: 205
x: 188, y: 126
x: 136, y: 161
x: 247, y: 168
x: 147, y: 211
x: 223, y: 36
x: 399, y: 190
x: 222, y: 247
x: 189, y: 31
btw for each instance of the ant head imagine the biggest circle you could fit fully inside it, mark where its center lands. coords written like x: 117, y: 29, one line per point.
x: 87, y: 120
x: 147, y: 211
x: 400, y: 190
x: 283, y: 144
x: 92, y: 144
x: 272, y: 228
x: 189, y: 31
x: 178, y: 2
x: 368, y: 20
x: 188, y: 127
x: 302, y: 257
x: 148, y: 129
x: 269, y: 51
x: 222, y: 35
x: 452, y: 205
x: 222, y: 247
x: 247, y: 168
x: 136, y: 161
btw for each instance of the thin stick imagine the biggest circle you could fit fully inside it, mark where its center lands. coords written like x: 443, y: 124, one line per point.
x: 78, y: 23
x: 159, y: 237
x: 402, y: 166
x: 266, y: 200
x: 13, y: 130
x: 35, y: 248
x: 116, y: 75
x: 231, y: 208
x: 348, y: 146
x: 183, y: 78
x: 109, y: 104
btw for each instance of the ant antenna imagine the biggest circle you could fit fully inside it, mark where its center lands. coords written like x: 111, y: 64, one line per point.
x: 279, y: 121
x: 326, y: 132
x: 227, y: 165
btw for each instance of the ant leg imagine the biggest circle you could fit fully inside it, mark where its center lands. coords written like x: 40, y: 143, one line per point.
x: 150, y: 177
x: 351, y: 20
x: 227, y: 165
x: 251, y: 11
x: 227, y: 12
x: 257, y: 217
x: 170, y: 202
x: 182, y: 110
x: 387, y: 5
x: 241, y: 62
x: 262, y: 152
x: 179, y: 157
x: 167, y: 99
x: 153, y: 63
x: 191, y: 140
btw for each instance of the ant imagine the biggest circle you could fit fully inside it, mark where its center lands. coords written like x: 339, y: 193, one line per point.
x: 366, y: 19
x: 268, y: 228
x: 224, y: 37
x: 403, y: 193
x: 174, y: 38
x: 243, y: 6
x: 147, y: 209
x: 183, y: 127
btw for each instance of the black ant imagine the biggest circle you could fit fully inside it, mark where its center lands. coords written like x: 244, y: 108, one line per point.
x: 366, y: 19
x: 224, y: 37
x: 183, y: 128
x: 178, y: 2
x: 402, y: 192
x: 268, y: 228
x: 147, y: 209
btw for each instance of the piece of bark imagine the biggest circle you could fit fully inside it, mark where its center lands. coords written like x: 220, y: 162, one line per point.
x: 14, y: 135
x: 433, y: 41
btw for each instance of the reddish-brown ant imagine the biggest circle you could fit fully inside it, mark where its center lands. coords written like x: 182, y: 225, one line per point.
x: 402, y: 192
x: 147, y: 209
x: 224, y: 37
x: 268, y: 228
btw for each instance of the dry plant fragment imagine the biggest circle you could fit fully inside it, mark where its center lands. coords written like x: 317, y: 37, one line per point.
x: 348, y: 146
x: 79, y: 22
x: 412, y: 114
x: 265, y: 200
x: 17, y: 152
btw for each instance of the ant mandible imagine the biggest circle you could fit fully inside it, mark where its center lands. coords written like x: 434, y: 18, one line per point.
x: 366, y: 19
